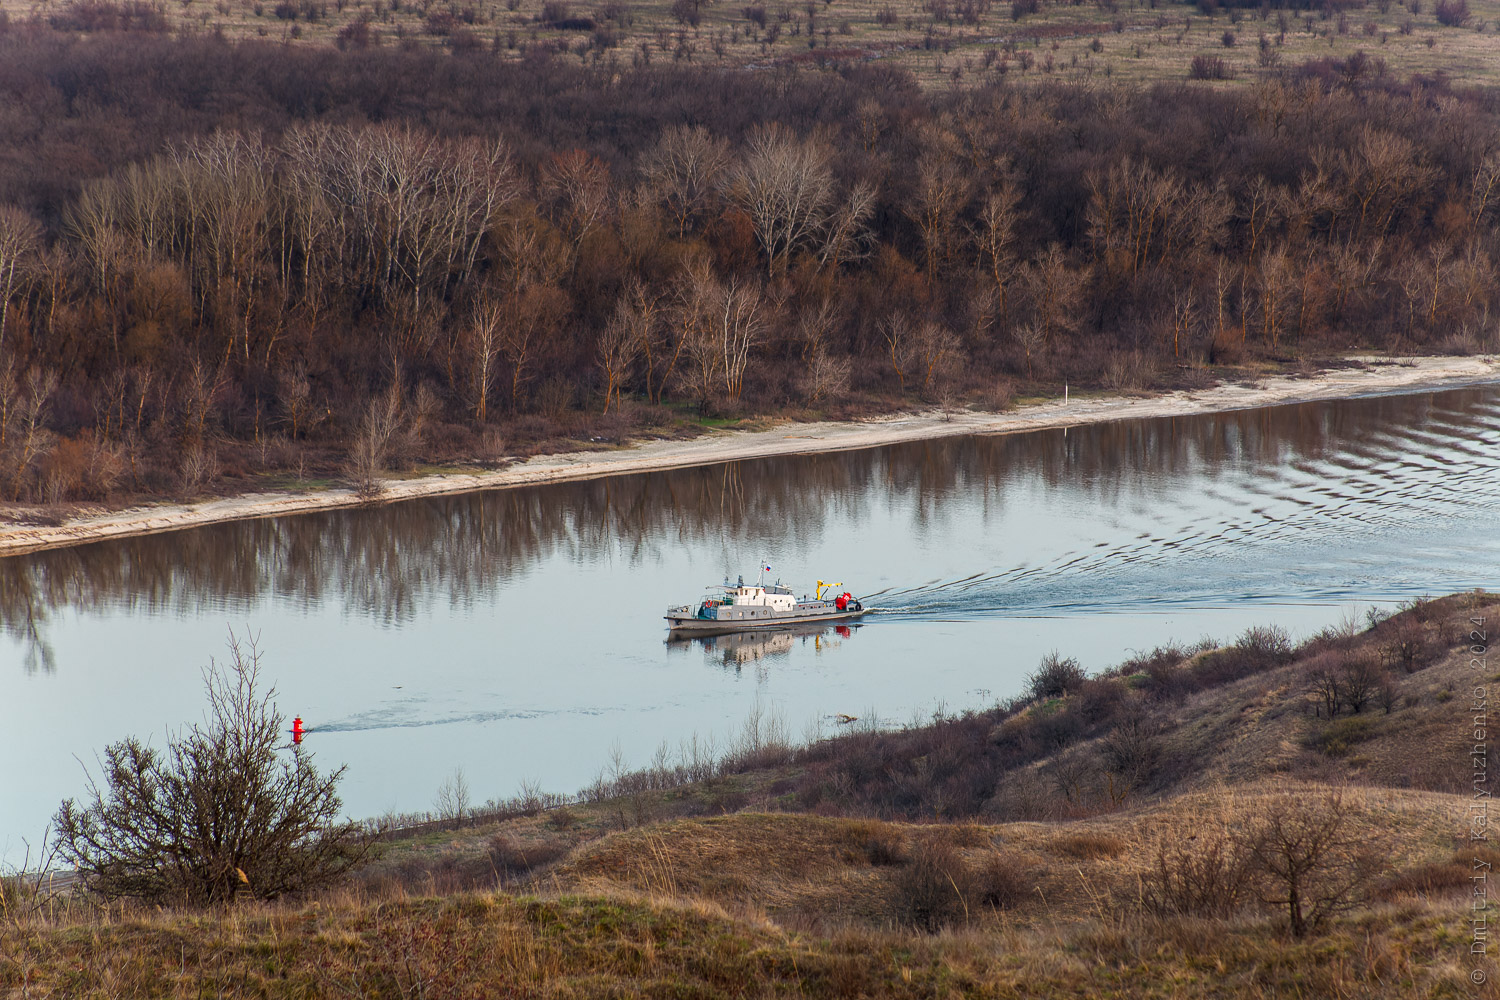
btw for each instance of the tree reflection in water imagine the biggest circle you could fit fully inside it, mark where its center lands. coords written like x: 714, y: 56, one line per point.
x: 391, y: 562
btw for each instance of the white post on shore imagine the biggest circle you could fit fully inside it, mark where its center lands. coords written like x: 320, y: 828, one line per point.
x: 1065, y: 394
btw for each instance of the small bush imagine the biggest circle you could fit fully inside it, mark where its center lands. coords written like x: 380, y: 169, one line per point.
x: 929, y: 888
x: 1204, y: 876
x: 885, y: 851
x: 1257, y: 649
x: 1336, y: 738
x: 1055, y: 677
x: 1002, y: 882
x: 1208, y: 68
x: 1271, y: 643
x: 355, y: 35
x: 1100, y: 700
x: 1428, y: 880
x: 1452, y: 13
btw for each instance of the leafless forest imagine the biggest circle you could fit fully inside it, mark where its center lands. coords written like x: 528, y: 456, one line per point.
x: 221, y: 259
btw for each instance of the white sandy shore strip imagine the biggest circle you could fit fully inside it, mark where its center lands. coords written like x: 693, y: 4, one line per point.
x: 788, y: 439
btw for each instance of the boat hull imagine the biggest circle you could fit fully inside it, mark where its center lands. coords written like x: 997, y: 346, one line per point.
x: 692, y: 625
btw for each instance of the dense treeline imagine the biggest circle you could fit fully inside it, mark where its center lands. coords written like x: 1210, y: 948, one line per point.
x: 216, y: 257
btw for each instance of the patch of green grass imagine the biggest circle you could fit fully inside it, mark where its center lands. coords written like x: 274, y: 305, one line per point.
x: 1339, y: 736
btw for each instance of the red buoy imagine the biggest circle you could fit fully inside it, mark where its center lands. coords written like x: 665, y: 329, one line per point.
x: 841, y: 602
x: 297, y: 729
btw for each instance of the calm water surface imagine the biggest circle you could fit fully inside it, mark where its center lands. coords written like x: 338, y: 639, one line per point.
x: 518, y: 633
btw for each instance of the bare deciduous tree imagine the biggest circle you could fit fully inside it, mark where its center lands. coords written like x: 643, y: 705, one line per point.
x: 378, y: 430
x: 937, y: 350
x: 452, y: 802
x: 24, y: 436
x: 1328, y: 685
x: 228, y: 808
x: 1361, y: 678
x: 943, y: 185
x: 1314, y: 858
x: 899, y: 334
x: 1055, y: 290
x: 579, y: 184
x: 1184, y: 315
x: 480, y: 344
x: 1274, y: 278
x: 846, y: 232
x: 296, y: 396
x: 720, y: 323
x: 1032, y: 338
x: 529, y: 318
x: 20, y: 239
x: 994, y: 235
x: 785, y: 185
x: 682, y: 171
x: 826, y: 377
x: 619, y: 345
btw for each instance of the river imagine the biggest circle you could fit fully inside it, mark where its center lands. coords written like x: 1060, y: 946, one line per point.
x: 517, y: 633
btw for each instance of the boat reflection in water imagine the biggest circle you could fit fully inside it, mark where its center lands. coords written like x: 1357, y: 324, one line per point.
x: 735, y: 649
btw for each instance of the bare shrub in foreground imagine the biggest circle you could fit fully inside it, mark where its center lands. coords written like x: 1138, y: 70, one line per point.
x: 1208, y: 875
x: 929, y: 888
x: 227, y: 809
x: 1312, y: 858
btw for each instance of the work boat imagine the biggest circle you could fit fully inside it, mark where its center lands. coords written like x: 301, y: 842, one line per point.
x: 742, y: 607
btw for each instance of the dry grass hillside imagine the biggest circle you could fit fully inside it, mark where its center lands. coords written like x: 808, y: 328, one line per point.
x: 1150, y: 872
x: 833, y: 872
x: 492, y: 946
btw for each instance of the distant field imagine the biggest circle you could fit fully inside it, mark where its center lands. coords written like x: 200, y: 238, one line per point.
x: 945, y: 42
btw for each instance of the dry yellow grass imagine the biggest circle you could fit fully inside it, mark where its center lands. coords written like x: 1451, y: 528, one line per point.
x: 944, y: 43
x: 490, y: 945
x: 802, y: 867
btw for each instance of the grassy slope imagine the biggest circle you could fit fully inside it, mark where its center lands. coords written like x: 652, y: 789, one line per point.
x: 777, y: 903
x: 569, y: 946
x: 800, y: 866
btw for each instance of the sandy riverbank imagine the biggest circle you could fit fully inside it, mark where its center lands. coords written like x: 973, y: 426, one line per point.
x: 787, y: 439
